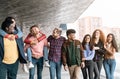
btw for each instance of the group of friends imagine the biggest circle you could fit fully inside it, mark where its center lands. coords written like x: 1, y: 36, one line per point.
x: 54, y: 51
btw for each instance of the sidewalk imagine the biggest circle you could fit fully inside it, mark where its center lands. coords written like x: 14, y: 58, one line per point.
x: 65, y: 75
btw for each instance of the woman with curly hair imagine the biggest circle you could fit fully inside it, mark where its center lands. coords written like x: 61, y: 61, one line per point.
x: 98, y: 40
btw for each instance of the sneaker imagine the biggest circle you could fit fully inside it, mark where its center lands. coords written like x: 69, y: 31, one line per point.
x: 30, y: 65
x: 25, y: 69
x: 46, y: 64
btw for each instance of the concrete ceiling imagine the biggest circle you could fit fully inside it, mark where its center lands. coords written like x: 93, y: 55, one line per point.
x: 43, y: 11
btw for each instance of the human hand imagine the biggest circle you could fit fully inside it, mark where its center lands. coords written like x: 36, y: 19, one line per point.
x: 82, y: 64
x: 96, y: 48
x: 107, y: 45
x: 65, y: 67
x: 11, y: 37
x: 34, y: 42
x: 83, y: 59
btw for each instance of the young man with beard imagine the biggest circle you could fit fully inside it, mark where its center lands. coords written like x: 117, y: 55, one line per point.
x: 35, y: 48
x: 55, y: 40
x: 11, y: 51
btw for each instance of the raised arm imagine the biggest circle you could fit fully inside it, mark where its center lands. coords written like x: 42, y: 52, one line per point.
x: 27, y: 41
x: 43, y: 36
x: 18, y: 35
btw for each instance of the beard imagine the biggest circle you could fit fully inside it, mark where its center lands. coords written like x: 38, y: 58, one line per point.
x: 34, y: 34
x: 11, y: 32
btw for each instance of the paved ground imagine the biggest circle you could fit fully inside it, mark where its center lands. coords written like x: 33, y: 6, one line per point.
x: 65, y: 75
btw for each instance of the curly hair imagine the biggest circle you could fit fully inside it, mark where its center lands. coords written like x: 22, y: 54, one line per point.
x: 101, y: 38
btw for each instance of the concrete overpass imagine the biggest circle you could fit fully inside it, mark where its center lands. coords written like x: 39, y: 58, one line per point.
x: 49, y: 13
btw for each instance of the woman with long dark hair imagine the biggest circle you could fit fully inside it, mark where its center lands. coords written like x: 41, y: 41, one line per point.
x: 109, y: 62
x: 89, y: 55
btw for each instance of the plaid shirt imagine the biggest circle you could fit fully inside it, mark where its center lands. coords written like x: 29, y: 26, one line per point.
x: 55, y: 48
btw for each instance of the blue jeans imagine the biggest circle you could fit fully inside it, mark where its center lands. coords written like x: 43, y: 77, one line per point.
x: 45, y: 52
x: 55, y: 68
x: 29, y: 54
x: 39, y: 64
x: 109, y: 66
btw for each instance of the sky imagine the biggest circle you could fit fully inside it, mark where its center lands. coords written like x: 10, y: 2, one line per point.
x: 109, y: 10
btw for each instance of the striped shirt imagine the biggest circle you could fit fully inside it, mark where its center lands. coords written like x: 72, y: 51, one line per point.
x: 55, y: 48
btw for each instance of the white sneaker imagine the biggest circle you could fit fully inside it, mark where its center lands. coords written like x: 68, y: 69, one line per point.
x: 25, y: 69
x: 30, y: 65
x: 46, y: 64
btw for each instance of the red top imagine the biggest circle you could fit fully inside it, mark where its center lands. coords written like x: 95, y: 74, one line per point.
x: 27, y: 41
